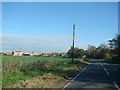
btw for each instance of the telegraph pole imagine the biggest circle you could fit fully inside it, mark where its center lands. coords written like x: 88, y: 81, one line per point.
x: 73, y: 42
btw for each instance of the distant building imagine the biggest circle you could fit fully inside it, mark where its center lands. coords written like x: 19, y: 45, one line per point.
x: 63, y: 54
x: 18, y: 53
x: 31, y: 54
x: 26, y: 54
x: 35, y: 54
x: 40, y: 54
x: 46, y: 54
x: 54, y: 54
x: 9, y: 53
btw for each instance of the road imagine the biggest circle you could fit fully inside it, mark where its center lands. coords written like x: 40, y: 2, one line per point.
x: 98, y: 74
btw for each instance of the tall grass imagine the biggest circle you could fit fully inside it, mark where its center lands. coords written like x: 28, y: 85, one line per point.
x: 15, y: 63
x: 19, y: 68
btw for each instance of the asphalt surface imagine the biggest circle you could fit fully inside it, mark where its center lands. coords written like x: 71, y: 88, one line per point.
x: 98, y: 74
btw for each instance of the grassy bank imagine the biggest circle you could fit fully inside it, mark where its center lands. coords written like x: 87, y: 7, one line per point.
x: 38, y: 72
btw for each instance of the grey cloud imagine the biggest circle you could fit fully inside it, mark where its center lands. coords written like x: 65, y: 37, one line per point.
x: 58, y: 43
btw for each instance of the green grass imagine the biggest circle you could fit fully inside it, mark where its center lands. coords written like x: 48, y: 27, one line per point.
x: 17, y: 69
x: 0, y: 72
x: 8, y: 62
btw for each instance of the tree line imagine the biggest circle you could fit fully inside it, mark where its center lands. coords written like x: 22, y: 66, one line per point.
x: 108, y: 51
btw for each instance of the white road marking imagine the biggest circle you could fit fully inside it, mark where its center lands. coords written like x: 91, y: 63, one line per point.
x: 75, y: 77
x: 105, y: 69
x: 109, y: 74
x: 101, y: 65
x: 116, y: 86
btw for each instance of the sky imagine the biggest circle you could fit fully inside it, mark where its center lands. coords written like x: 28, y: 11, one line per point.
x: 45, y: 27
x: 60, y: 0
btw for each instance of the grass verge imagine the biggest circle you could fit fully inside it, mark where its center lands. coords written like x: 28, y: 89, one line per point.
x: 46, y: 74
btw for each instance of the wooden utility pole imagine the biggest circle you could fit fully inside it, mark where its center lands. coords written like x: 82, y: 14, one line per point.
x: 73, y: 42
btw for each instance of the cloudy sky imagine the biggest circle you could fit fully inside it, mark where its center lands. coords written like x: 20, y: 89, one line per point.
x: 47, y: 26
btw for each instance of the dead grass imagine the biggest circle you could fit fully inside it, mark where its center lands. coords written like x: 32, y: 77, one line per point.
x: 45, y: 81
x: 49, y: 80
x: 41, y: 74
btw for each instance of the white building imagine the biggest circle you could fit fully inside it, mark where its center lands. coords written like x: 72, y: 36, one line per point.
x: 18, y: 53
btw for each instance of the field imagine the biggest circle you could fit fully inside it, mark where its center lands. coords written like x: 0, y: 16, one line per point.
x: 38, y: 71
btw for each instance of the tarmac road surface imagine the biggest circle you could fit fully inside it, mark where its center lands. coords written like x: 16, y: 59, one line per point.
x: 98, y: 74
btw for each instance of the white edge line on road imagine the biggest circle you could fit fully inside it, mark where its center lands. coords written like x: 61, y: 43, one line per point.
x: 109, y: 74
x: 105, y: 69
x: 75, y: 77
x: 116, y: 86
x: 101, y: 65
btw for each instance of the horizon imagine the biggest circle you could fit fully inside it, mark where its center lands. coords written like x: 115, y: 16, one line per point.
x: 47, y: 26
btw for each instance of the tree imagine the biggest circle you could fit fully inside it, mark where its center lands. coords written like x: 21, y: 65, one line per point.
x: 115, y: 44
x: 101, y: 52
x: 91, y: 48
x: 78, y: 53
x: 115, y: 48
x: 90, y: 52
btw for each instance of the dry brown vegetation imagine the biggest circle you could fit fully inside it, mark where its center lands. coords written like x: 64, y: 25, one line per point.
x: 44, y: 73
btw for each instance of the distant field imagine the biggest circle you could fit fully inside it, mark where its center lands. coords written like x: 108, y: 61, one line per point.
x: 9, y: 63
x: 25, y: 60
x: 31, y: 59
x: 19, y: 70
